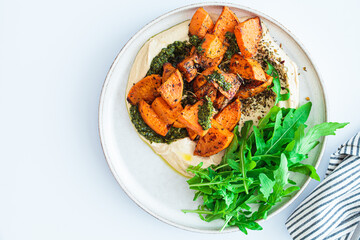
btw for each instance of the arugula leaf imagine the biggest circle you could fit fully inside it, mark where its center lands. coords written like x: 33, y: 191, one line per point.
x: 284, y: 131
x: 305, y: 169
x: 266, y: 185
x: 323, y: 129
x: 242, y: 145
x: 276, y: 84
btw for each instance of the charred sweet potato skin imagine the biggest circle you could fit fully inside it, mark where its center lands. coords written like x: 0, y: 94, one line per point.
x: 230, y: 115
x: 171, y: 90
x: 188, y: 67
x: 200, y: 23
x: 152, y: 119
x: 208, y: 89
x: 164, y: 111
x: 247, y: 68
x: 216, y: 139
x: 248, y: 35
x: 253, y: 88
x: 168, y: 69
x: 225, y: 23
x: 213, y: 47
x: 145, y: 89
x: 189, y: 118
x: 206, y: 62
x: 221, y: 101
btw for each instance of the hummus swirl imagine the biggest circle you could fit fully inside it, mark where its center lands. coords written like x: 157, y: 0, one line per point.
x: 179, y: 154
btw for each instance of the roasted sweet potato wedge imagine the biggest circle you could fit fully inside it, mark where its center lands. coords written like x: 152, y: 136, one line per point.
x: 164, y: 111
x: 168, y: 70
x: 177, y: 124
x: 221, y: 101
x: 192, y: 134
x: 248, y: 35
x: 216, y: 139
x: 208, y: 89
x: 200, y: 23
x: 206, y: 62
x: 253, y: 88
x: 145, y: 89
x: 189, y: 118
x: 171, y: 90
x: 247, y: 68
x: 199, y: 82
x: 212, y: 46
x: 200, y: 79
x: 187, y: 67
x: 152, y: 119
x: 230, y: 115
x: 235, y: 84
x: 225, y: 23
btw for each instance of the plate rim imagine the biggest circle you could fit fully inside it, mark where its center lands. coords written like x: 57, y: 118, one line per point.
x: 120, y: 53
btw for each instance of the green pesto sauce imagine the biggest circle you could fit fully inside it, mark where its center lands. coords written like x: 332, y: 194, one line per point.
x: 197, y: 43
x: 173, y: 53
x: 232, y: 45
x: 205, y: 113
x: 143, y: 129
x: 219, y: 79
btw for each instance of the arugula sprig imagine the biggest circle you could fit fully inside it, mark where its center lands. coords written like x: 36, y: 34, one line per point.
x: 254, y: 173
x: 276, y: 86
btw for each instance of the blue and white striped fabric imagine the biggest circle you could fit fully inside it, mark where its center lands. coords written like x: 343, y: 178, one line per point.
x: 332, y: 210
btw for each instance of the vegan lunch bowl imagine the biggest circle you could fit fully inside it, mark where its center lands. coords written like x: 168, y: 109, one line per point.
x: 218, y: 99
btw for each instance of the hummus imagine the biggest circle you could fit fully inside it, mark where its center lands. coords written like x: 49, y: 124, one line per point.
x: 179, y: 154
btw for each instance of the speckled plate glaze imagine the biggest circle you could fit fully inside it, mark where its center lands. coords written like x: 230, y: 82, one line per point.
x: 143, y: 175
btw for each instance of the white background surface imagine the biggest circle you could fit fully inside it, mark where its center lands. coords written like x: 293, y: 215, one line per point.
x: 54, y: 56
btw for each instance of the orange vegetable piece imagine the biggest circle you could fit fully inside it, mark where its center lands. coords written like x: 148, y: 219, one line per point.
x: 230, y: 115
x: 152, y: 119
x: 221, y: 101
x: 192, y: 134
x: 189, y: 118
x: 164, y: 111
x: 253, y: 88
x: 208, y: 89
x: 248, y: 35
x: 247, y: 68
x: 177, y: 124
x: 225, y: 23
x: 235, y: 84
x: 171, y: 90
x: 168, y: 69
x: 187, y: 67
x: 199, y: 82
x: 206, y: 62
x: 145, y: 89
x: 212, y: 46
x: 216, y: 139
x: 200, y: 23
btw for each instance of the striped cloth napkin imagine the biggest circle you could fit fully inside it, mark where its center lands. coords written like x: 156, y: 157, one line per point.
x: 332, y: 210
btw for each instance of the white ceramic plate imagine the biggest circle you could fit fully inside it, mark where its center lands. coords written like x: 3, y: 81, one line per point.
x: 143, y: 175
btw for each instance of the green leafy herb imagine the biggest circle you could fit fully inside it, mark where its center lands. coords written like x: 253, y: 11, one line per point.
x: 276, y: 84
x: 205, y: 113
x: 144, y: 130
x: 219, y: 79
x: 173, y: 53
x: 232, y: 45
x: 253, y: 175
